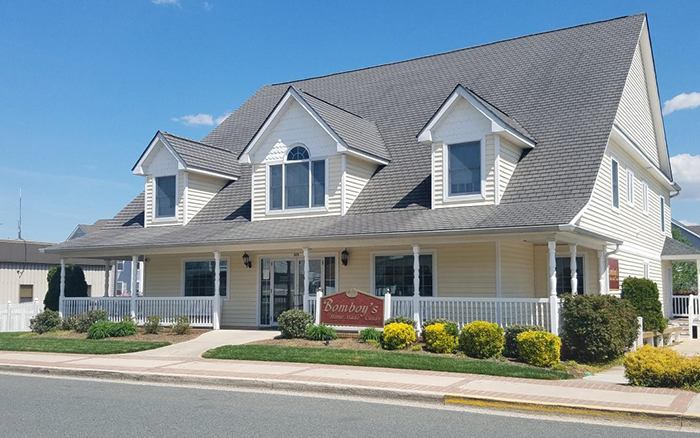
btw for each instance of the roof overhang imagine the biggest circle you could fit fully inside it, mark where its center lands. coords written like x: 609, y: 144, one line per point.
x: 293, y: 95
x: 159, y: 138
x: 498, y: 124
x: 681, y: 258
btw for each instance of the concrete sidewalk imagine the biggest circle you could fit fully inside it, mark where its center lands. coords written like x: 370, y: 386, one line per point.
x: 568, y: 396
x: 194, y: 348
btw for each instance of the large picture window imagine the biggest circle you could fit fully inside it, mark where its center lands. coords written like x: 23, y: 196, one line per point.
x: 199, y: 278
x: 564, y: 275
x: 394, y: 273
x: 298, y: 183
x: 464, y: 161
x: 165, y: 196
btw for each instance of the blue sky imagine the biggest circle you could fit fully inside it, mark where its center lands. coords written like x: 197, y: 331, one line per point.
x: 84, y: 85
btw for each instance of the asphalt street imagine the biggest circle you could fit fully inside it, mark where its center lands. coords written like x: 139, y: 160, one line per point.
x: 48, y: 407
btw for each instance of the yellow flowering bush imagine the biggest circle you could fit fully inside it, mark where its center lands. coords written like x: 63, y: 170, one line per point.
x: 541, y: 349
x: 481, y: 339
x: 439, y: 339
x: 398, y: 336
x: 661, y: 367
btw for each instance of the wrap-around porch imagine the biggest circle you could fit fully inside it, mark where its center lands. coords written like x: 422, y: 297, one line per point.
x: 503, y: 279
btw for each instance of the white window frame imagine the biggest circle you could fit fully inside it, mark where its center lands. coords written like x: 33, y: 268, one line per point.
x: 284, y: 210
x: 613, y: 162
x: 645, y: 197
x: 662, y: 215
x: 205, y: 259
x: 584, y: 255
x: 155, y: 217
x: 446, y: 197
x: 372, y: 266
x: 646, y: 269
x: 118, y: 290
x: 118, y: 263
x: 630, y: 187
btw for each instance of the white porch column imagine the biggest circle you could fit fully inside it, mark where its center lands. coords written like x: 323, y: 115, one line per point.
x: 305, y: 304
x: 114, y: 279
x: 602, y: 273
x: 553, y: 301
x: 499, y: 285
x: 142, y: 276
x: 416, y: 286
x: 134, y: 263
x: 217, y: 296
x: 108, y: 267
x: 574, y: 270
x: 62, y: 294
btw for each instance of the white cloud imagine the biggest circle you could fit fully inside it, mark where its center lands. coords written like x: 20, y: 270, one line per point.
x: 681, y: 102
x: 686, y: 174
x: 195, y: 120
x: 166, y: 2
x: 222, y: 117
x: 689, y: 223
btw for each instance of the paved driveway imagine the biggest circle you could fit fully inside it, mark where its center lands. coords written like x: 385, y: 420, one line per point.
x: 194, y: 348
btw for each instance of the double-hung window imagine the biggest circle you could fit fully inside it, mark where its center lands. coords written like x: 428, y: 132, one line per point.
x: 615, y: 184
x: 464, y: 169
x: 200, y: 278
x: 165, y: 196
x: 298, y: 183
x: 394, y: 274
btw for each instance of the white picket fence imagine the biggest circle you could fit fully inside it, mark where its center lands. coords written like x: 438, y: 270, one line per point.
x: 16, y: 317
x: 680, y: 304
x: 200, y: 310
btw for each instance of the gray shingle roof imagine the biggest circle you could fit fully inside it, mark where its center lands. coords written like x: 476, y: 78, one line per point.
x: 561, y: 87
x: 672, y: 247
x: 204, y: 156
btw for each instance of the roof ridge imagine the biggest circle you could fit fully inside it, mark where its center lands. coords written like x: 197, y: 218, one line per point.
x: 197, y: 141
x: 458, y: 50
x: 333, y: 105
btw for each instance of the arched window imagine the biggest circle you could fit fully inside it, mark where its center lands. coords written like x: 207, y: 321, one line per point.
x: 298, y: 183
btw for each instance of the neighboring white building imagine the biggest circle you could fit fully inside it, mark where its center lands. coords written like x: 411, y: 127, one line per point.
x: 24, y: 268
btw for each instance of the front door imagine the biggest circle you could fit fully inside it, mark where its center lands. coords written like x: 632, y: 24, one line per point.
x: 282, y: 284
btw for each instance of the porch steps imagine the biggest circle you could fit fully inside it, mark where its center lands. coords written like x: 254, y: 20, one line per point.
x: 680, y: 322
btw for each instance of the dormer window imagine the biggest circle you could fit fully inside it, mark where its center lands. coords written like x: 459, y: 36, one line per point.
x: 166, y: 188
x: 464, y: 164
x: 298, y: 183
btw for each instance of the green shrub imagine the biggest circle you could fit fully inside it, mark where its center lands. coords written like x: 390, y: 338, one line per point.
x: 429, y: 322
x: 539, y: 348
x: 512, y: 331
x: 398, y: 335
x: 293, y: 323
x: 320, y: 332
x: 76, y: 286
x: 46, y: 321
x: 126, y: 327
x: 597, y: 328
x: 85, y: 320
x: 370, y: 334
x: 644, y: 296
x: 152, y: 325
x: 181, y: 325
x: 481, y: 339
x: 100, y: 329
x: 69, y: 322
x: 402, y: 320
x: 441, y: 338
x: 662, y: 367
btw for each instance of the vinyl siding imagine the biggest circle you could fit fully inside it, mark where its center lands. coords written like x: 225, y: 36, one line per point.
x: 510, y: 155
x: 357, y: 175
x: 200, y: 190
x: 634, y: 113
x: 162, y: 163
x: 35, y: 274
x: 517, y: 269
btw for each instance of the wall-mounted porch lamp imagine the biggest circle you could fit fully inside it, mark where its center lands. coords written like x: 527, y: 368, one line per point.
x: 246, y: 260
x: 344, y: 257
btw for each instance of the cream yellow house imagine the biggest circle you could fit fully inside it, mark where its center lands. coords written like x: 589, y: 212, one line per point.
x: 481, y: 183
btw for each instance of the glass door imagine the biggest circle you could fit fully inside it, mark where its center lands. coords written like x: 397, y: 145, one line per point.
x: 284, y: 286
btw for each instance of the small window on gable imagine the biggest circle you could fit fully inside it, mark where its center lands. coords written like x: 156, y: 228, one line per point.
x: 464, y: 167
x: 630, y: 187
x: 615, y: 184
x: 298, y: 153
x: 645, y: 197
x: 298, y: 183
x: 165, y: 196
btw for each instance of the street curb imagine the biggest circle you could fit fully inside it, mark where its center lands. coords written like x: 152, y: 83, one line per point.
x: 568, y: 409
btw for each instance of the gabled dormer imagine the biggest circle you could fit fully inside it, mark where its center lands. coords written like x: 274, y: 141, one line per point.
x: 182, y: 176
x: 475, y: 148
x: 311, y: 158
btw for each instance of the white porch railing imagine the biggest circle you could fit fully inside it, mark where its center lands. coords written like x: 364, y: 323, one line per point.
x: 679, y: 305
x: 503, y: 311
x: 16, y: 317
x: 200, y: 310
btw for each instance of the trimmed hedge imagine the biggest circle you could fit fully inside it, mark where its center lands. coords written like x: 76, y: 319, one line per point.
x: 512, y: 331
x: 644, y: 296
x: 402, y: 320
x: 481, y: 339
x: 76, y: 286
x: 46, y: 321
x: 597, y: 328
x: 539, y: 348
x: 441, y: 338
x: 397, y: 336
x: 662, y: 367
x: 293, y: 323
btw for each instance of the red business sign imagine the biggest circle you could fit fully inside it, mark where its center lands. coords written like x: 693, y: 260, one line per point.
x: 353, y: 308
x: 614, y: 274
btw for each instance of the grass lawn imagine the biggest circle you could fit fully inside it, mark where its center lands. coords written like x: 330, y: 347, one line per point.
x: 385, y: 359
x: 48, y: 344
